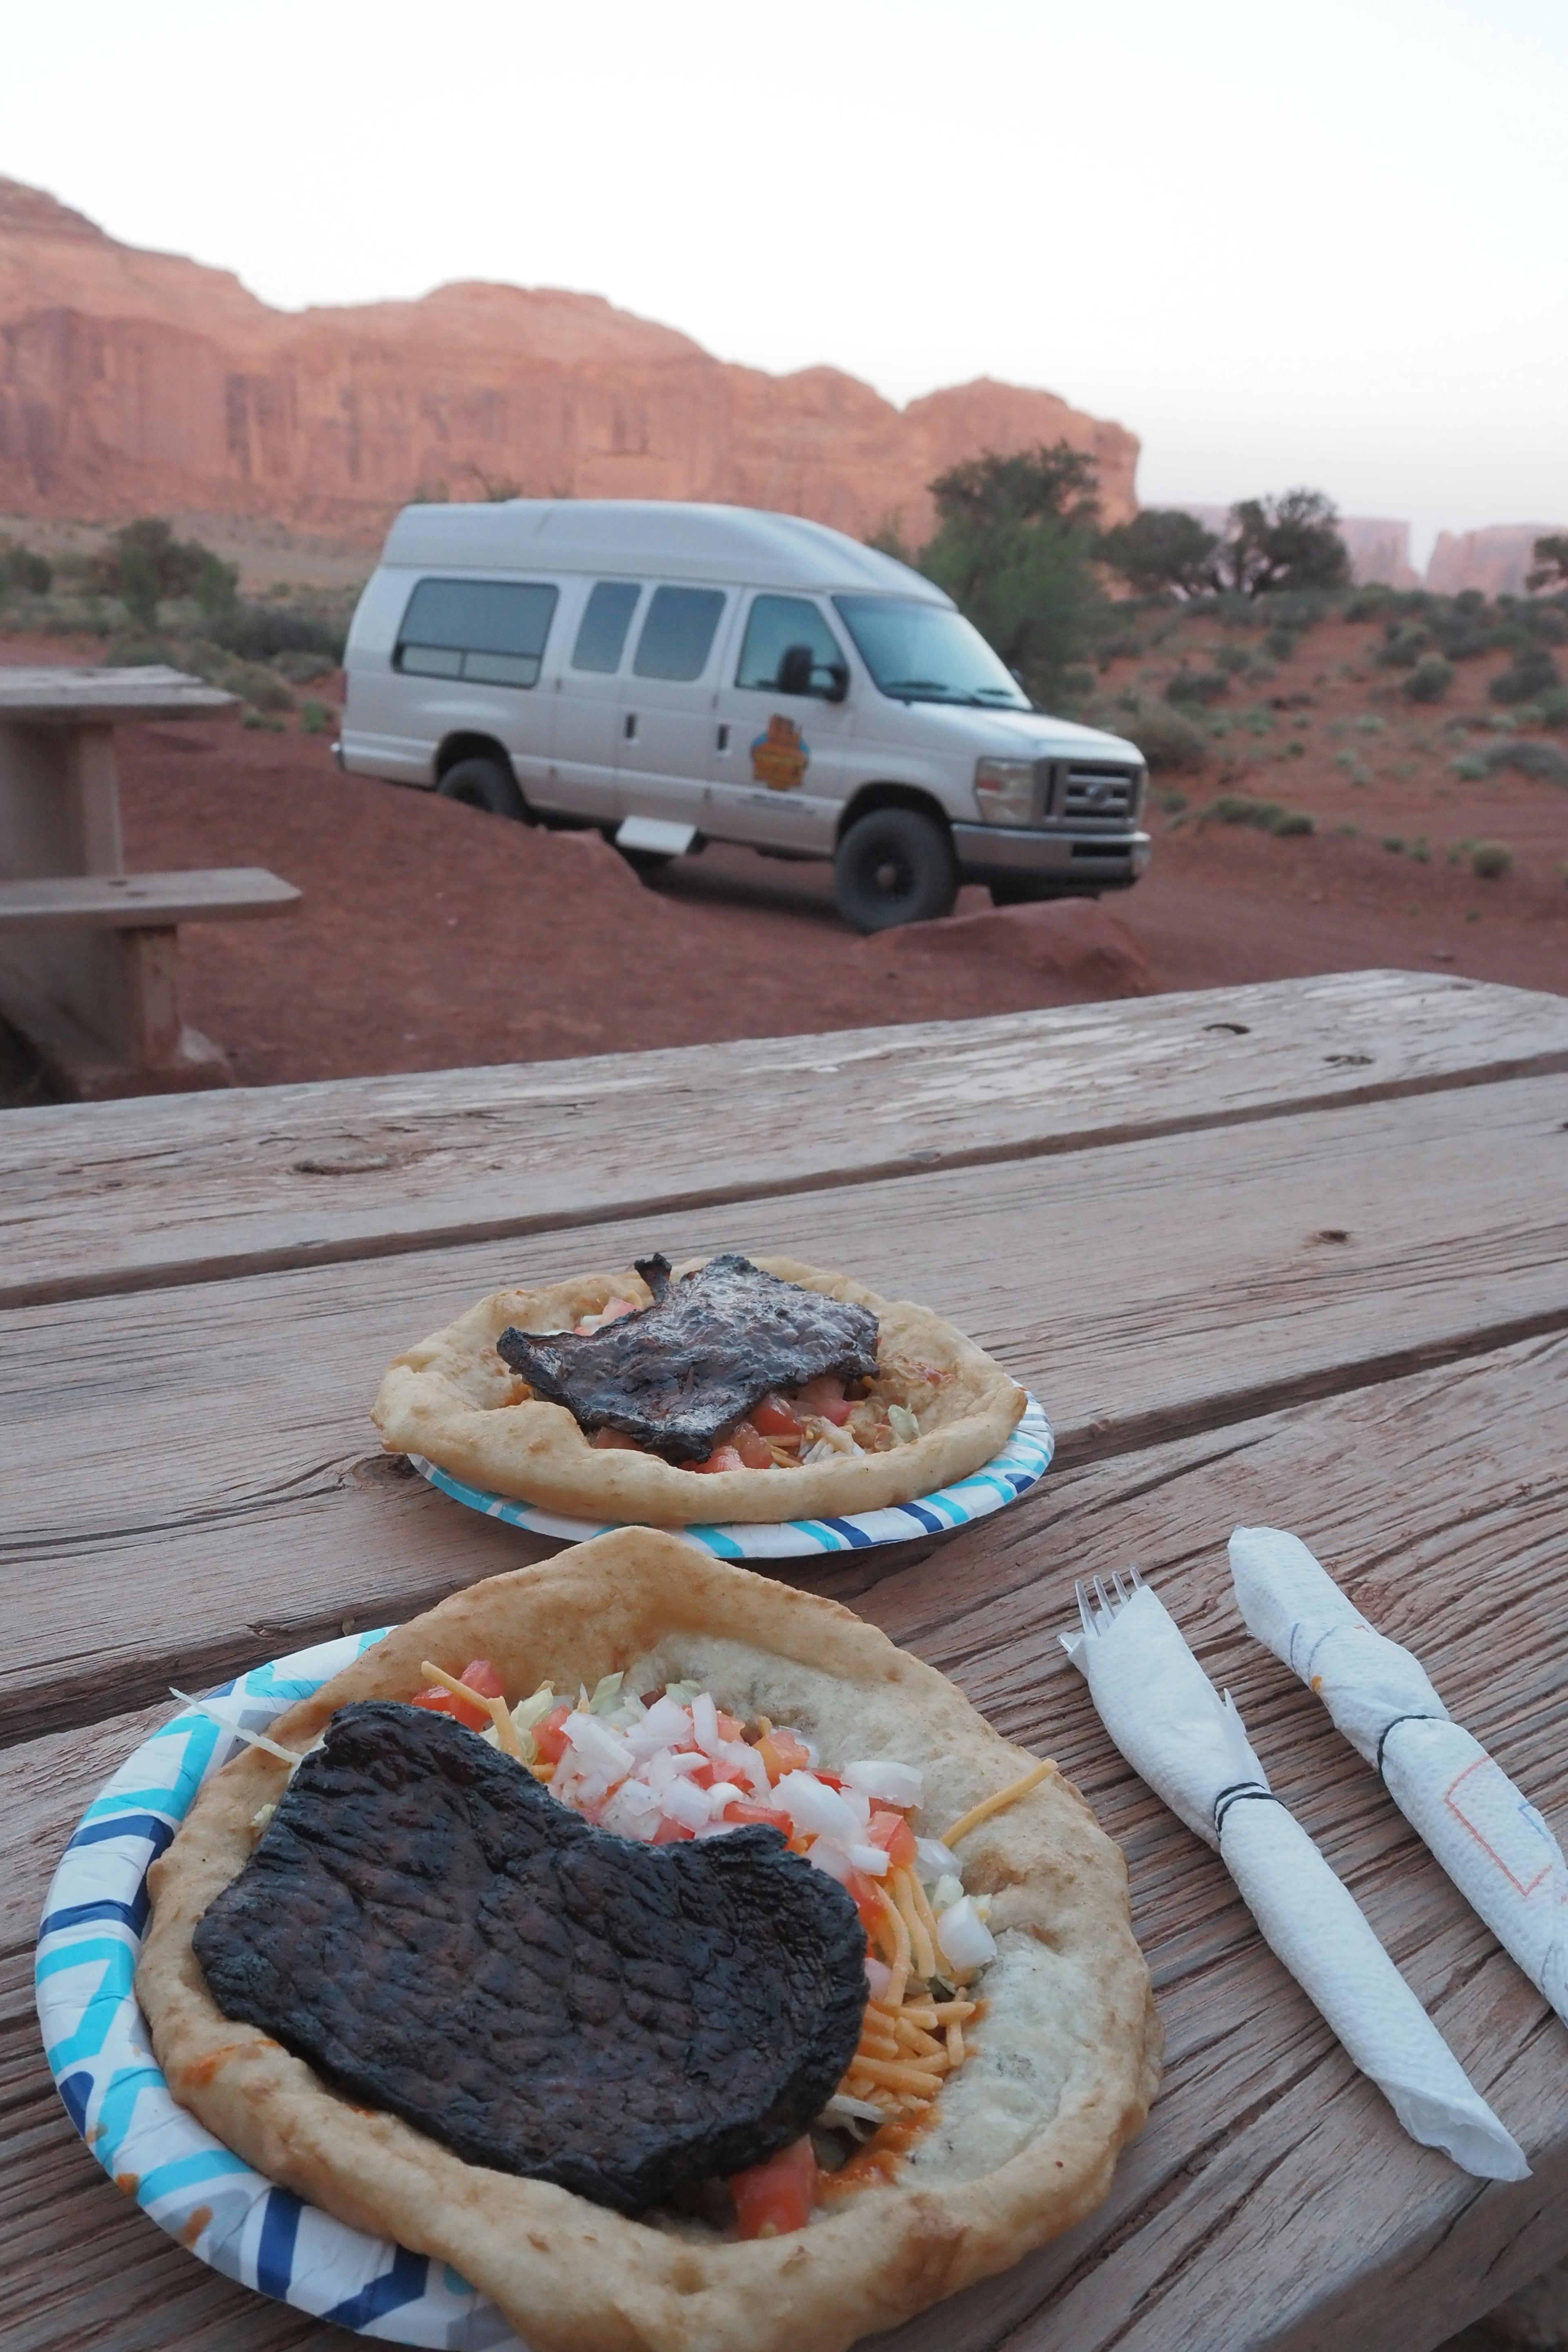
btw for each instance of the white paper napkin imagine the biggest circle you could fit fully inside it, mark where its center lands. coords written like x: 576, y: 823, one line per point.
x: 1490, y: 1839
x: 1191, y: 1746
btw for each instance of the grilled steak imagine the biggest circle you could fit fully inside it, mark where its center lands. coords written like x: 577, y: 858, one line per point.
x: 438, y: 1936
x: 677, y: 1376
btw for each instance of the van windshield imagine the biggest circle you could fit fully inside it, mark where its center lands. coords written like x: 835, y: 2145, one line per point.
x: 924, y: 653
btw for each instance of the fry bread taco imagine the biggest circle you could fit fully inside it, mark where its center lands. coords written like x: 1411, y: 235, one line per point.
x: 798, y: 1394
x: 337, y: 1902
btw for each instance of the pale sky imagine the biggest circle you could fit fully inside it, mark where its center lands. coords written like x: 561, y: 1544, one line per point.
x: 1319, y: 243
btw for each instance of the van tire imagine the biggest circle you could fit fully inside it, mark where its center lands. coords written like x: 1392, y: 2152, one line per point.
x: 893, y: 867
x: 483, y: 785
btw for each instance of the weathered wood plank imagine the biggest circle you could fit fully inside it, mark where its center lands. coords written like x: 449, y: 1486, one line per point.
x: 1273, y: 2200
x: 126, y: 902
x: 59, y: 697
x: 133, y: 1195
x: 208, y: 1450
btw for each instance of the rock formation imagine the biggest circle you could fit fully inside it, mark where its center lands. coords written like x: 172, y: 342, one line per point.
x: 1496, y: 561
x: 135, y: 383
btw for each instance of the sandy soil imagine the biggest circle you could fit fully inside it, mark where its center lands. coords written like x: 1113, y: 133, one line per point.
x: 432, y: 935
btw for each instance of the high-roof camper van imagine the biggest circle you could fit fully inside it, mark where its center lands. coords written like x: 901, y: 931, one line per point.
x: 679, y: 673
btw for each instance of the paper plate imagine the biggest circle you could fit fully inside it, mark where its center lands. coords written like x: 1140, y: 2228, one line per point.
x: 1022, y: 1464
x: 100, y: 2055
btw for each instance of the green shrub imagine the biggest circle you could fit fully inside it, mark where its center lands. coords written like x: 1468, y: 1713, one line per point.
x: 259, y: 718
x: 1197, y: 686
x: 1531, y: 757
x: 1394, y: 841
x: 1553, y: 708
x: 1173, y: 802
x: 1491, y: 860
x: 315, y: 718
x: 1404, y: 643
x: 1534, y: 672
x: 1267, y: 817
x: 1166, y: 737
x: 1233, y: 658
x: 1429, y: 680
x: 1280, y: 642
x: 261, y: 632
x: 23, y: 573
x: 303, y: 668
x: 1469, y: 768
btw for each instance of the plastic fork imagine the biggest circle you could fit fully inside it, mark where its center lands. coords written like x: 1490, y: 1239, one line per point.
x: 1096, y: 1612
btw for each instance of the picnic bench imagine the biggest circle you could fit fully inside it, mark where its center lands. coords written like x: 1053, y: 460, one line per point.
x: 1289, y: 1254
x: 89, y: 954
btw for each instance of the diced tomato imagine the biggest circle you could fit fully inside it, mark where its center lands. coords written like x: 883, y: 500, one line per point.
x: 826, y: 1397
x: 550, y: 1738
x: 669, y: 1833
x: 703, y: 1778
x: 728, y: 1727
x: 481, y: 1676
x: 864, y: 1891
x: 723, y: 1457
x: 775, y: 2198
x: 753, y: 1448
x: 894, y: 1835
x: 776, y: 1417
x: 782, y: 1752
x: 615, y: 1441
x: 744, y: 1809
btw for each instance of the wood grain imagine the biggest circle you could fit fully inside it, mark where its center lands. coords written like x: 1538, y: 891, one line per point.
x: 134, y: 1195
x: 193, y: 1475
x: 57, y: 697
x: 1273, y: 2200
x: 123, y: 902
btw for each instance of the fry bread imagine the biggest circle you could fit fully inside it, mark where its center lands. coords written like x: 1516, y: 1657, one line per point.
x: 452, y: 1400
x: 1063, y: 2062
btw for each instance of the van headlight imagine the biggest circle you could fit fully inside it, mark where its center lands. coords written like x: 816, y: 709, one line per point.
x: 1006, y: 791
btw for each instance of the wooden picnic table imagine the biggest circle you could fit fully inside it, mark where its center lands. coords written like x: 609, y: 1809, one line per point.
x: 88, y: 955
x: 1291, y: 1255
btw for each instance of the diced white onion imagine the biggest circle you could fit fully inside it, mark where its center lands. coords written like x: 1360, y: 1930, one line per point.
x: 683, y: 1803
x: 964, y: 1936
x: 597, y: 1745
x: 705, y: 1723
x: 886, y: 1782
x: 879, y: 1975
x: 740, y: 1762
x: 842, y: 2108
x: 722, y: 1793
x: 717, y: 1828
x: 826, y: 1857
x: 934, y: 1861
x: 871, y: 1859
x: 665, y: 1722
x: 817, y: 1809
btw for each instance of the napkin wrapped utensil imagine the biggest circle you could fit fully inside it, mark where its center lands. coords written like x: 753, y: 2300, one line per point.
x: 1191, y: 1746
x: 1490, y: 1839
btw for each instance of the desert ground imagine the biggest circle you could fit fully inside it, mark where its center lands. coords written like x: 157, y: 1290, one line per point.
x: 432, y: 936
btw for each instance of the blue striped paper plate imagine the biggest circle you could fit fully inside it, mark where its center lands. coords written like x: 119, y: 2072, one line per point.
x: 100, y: 2055
x: 1022, y: 1464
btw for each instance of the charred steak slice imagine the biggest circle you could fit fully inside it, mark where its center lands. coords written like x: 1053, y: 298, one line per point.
x: 438, y: 1936
x: 677, y: 1376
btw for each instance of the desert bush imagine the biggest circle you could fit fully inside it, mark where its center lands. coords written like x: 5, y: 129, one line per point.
x: 145, y: 565
x: 1161, y: 553
x: 1553, y: 708
x: 1530, y: 756
x: 1532, y: 672
x: 1203, y: 685
x: 1551, y: 563
x: 1232, y: 659
x: 23, y: 573
x: 1267, y: 817
x: 1470, y: 769
x: 1404, y: 643
x: 302, y: 668
x: 262, y: 632
x: 1491, y: 860
x: 1166, y: 737
x: 1429, y: 680
x: 315, y: 718
x: 1287, y: 542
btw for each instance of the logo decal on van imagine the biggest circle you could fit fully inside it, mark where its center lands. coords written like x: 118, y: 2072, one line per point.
x: 781, y: 757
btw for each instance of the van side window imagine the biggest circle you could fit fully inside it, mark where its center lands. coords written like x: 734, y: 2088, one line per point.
x: 607, y: 617
x: 677, y: 635
x: 775, y: 623
x: 492, y: 631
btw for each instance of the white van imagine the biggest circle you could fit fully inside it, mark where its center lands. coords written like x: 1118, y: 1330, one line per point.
x: 681, y: 674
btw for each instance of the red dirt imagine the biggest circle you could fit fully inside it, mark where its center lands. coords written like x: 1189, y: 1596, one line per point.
x: 432, y: 936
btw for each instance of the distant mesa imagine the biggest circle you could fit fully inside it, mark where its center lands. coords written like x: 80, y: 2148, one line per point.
x: 136, y: 382
x: 1494, y: 561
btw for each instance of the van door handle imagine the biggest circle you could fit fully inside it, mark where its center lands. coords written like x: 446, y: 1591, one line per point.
x: 723, y: 738
x: 631, y: 726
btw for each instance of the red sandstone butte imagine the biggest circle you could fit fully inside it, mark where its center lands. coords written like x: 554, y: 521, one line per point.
x: 135, y: 383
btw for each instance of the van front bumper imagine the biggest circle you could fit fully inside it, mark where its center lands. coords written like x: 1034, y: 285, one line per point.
x: 1060, y: 861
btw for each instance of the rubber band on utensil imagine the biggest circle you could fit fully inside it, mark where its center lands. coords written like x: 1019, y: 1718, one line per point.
x: 1237, y: 1794
x: 1397, y: 1720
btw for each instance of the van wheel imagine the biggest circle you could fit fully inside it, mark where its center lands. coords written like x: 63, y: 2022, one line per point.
x: 894, y: 866
x: 483, y: 785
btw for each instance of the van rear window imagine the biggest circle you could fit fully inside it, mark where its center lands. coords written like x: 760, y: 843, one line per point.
x: 491, y: 631
x: 677, y: 635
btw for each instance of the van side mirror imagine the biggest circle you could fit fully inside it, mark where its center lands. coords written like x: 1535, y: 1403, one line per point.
x: 838, y: 682
x: 794, y: 670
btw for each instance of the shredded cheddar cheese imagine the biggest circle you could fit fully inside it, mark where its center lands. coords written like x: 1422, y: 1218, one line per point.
x: 989, y: 1805
x: 497, y: 1708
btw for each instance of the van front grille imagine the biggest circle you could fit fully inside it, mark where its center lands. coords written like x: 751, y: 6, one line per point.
x: 1090, y: 793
